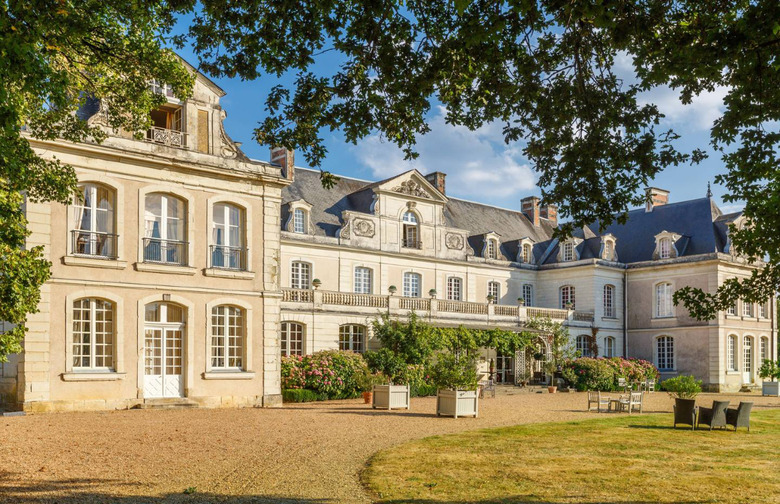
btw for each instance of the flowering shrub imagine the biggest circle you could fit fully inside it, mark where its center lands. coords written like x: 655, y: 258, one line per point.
x: 603, y: 373
x: 633, y: 370
x: 332, y: 373
x: 293, y: 373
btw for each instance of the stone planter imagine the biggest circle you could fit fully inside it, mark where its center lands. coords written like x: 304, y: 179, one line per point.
x: 391, y: 397
x: 457, y: 403
x: 770, y: 388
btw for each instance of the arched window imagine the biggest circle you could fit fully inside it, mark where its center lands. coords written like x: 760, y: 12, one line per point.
x: 227, y: 237
x: 663, y: 300
x: 664, y: 351
x: 299, y: 220
x: 527, y: 253
x: 609, y: 346
x: 528, y: 294
x: 412, y: 282
x: 747, y: 354
x: 494, y: 289
x: 491, y: 249
x: 411, y: 237
x: 292, y: 338
x: 664, y: 248
x: 609, y: 250
x: 93, y: 334
x: 454, y: 289
x: 352, y: 337
x: 94, y: 225
x: 363, y: 280
x: 583, y: 345
x: 731, y: 352
x: 164, y: 229
x: 609, y: 300
x: 764, y: 348
x: 228, y: 332
x: 747, y: 309
x: 567, y: 297
x: 300, y: 275
x: 568, y: 251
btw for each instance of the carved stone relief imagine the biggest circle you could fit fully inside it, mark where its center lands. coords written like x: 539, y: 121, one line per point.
x: 364, y: 228
x: 412, y: 188
x: 454, y: 241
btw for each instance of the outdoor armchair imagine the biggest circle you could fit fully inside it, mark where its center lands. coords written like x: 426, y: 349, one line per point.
x: 631, y: 401
x: 595, y: 397
x: 739, y: 417
x: 715, y: 416
x: 685, y: 412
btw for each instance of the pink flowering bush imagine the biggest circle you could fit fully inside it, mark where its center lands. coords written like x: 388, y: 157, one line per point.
x: 293, y: 372
x: 603, y: 374
x: 334, y: 373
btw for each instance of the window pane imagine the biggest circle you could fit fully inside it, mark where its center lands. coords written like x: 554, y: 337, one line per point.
x: 363, y: 280
x: 411, y: 285
x: 300, y: 277
x: 292, y: 338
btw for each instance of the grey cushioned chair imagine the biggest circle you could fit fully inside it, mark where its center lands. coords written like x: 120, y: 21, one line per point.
x: 739, y: 417
x: 715, y: 416
x: 685, y: 412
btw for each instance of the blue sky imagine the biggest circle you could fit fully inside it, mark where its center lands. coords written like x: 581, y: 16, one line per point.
x: 479, y: 165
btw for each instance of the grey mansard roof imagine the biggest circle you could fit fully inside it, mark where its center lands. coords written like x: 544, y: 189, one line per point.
x: 701, y: 224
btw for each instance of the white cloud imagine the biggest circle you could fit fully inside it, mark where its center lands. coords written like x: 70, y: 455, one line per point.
x: 478, y: 164
x: 698, y: 115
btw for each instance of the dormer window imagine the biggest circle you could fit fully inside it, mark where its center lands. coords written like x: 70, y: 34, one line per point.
x: 567, y: 254
x: 490, y: 252
x: 411, y: 230
x: 666, y: 244
x: 665, y: 248
x: 167, y: 127
x: 158, y: 87
x: 608, y: 252
x: 299, y: 220
x: 527, y: 253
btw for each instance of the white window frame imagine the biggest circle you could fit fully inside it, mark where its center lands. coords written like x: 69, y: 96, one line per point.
x: 350, y: 331
x: 284, y: 338
x: 665, y: 248
x: 664, y: 305
x: 231, y: 353
x: 363, y: 280
x: 583, y: 345
x: 609, y: 301
x: 731, y: 352
x: 762, y: 310
x: 528, y: 294
x: 609, y: 249
x: 411, y: 230
x: 297, y: 277
x: 665, y: 353
x: 78, y: 208
x: 494, y: 289
x: 732, y: 310
x: 491, y: 249
x: 609, y: 347
x: 233, y: 234
x: 91, y: 335
x: 763, y: 348
x: 299, y: 220
x: 567, y: 294
x: 412, y: 286
x: 454, y: 288
x: 748, y: 364
x: 747, y: 309
x: 527, y: 252
x: 567, y: 254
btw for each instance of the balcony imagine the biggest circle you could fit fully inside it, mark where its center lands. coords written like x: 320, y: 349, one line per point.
x: 93, y: 244
x: 169, y: 137
x: 224, y: 257
x: 443, y: 312
x: 159, y: 251
x: 411, y: 243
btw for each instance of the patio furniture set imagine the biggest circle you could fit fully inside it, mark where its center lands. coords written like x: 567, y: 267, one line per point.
x: 719, y: 415
x: 625, y: 402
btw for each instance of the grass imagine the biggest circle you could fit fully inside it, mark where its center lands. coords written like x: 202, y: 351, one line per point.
x: 638, y: 459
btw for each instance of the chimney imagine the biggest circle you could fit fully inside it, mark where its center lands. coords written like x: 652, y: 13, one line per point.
x: 530, y: 207
x: 284, y: 158
x: 550, y: 212
x: 437, y: 180
x: 655, y: 197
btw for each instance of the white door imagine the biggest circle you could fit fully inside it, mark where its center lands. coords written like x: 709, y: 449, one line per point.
x: 747, y: 375
x: 163, y: 356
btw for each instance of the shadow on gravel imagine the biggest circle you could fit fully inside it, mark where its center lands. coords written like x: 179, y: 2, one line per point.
x: 377, y: 412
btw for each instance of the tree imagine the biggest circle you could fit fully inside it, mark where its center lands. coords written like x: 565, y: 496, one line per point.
x: 546, y: 70
x: 54, y: 56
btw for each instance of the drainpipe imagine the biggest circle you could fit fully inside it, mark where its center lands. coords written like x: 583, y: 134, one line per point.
x: 625, y: 315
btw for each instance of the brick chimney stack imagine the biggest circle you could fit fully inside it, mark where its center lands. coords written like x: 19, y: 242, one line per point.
x: 437, y: 180
x: 530, y: 207
x: 284, y: 158
x: 550, y: 212
x: 655, y: 197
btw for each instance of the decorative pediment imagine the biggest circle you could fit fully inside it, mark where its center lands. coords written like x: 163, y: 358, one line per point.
x: 491, y: 246
x: 608, y: 250
x: 302, y: 206
x: 568, y: 250
x: 666, y: 245
x: 412, y: 184
x: 525, y: 251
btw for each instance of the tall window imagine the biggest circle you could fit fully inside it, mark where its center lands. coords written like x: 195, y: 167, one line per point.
x: 747, y: 309
x: 528, y: 294
x: 227, y: 236
x: 609, y: 300
x: 762, y: 310
x: 609, y: 346
x: 663, y: 300
x: 454, y: 289
x: 93, y: 222
x: 363, y: 280
x: 583, y: 345
x: 93, y: 334
x: 568, y: 251
x: 299, y: 220
x: 609, y: 250
x: 732, y: 310
x: 567, y: 295
x: 747, y: 351
x: 491, y: 249
x: 494, y: 289
x: 664, y: 248
x: 411, y: 238
x: 665, y: 353
x: 292, y: 338
x: 764, y: 348
x: 352, y: 337
x: 227, y: 337
x: 300, y: 275
x: 527, y: 253
x: 412, y: 283
x: 731, y: 353
x: 164, y: 223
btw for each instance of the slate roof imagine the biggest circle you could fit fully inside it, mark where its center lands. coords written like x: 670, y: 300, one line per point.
x: 699, y: 221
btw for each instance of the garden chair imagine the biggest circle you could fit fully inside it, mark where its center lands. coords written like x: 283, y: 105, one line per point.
x: 623, y: 384
x: 488, y: 385
x: 648, y: 385
x: 685, y: 412
x: 595, y: 397
x: 630, y: 401
x: 715, y: 416
x: 739, y: 417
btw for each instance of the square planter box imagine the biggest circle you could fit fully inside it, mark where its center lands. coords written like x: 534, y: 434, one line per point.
x: 770, y: 388
x: 457, y: 403
x: 391, y: 397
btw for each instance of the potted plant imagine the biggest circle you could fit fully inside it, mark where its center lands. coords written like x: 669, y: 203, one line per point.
x: 684, y: 390
x: 523, y: 378
x: 770, y: 372
x: 455, y: 377
x: 521, y: 301
x: 550, y: 368
x: 366, y: 381
x: 316, y: 283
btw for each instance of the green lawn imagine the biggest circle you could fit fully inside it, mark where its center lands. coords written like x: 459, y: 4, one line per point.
x: 618, y: 459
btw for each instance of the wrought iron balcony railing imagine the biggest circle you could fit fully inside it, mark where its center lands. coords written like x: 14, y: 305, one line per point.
x: 157, y: 250
x: 169, y: 137
x: 225, y: 257
x: 93, y: 244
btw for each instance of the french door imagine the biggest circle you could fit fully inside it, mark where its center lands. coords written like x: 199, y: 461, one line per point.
x: 163, y: 351
x: 505, y: 369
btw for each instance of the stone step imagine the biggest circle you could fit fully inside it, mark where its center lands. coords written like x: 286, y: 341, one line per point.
x: 167, y: 403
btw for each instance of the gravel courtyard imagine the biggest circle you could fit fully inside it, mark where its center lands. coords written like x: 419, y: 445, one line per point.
x: 301, y: 453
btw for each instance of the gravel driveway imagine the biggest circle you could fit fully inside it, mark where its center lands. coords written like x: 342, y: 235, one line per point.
x: 301, y: 453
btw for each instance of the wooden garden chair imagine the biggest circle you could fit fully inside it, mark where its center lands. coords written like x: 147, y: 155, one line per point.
x: 595, y: 397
